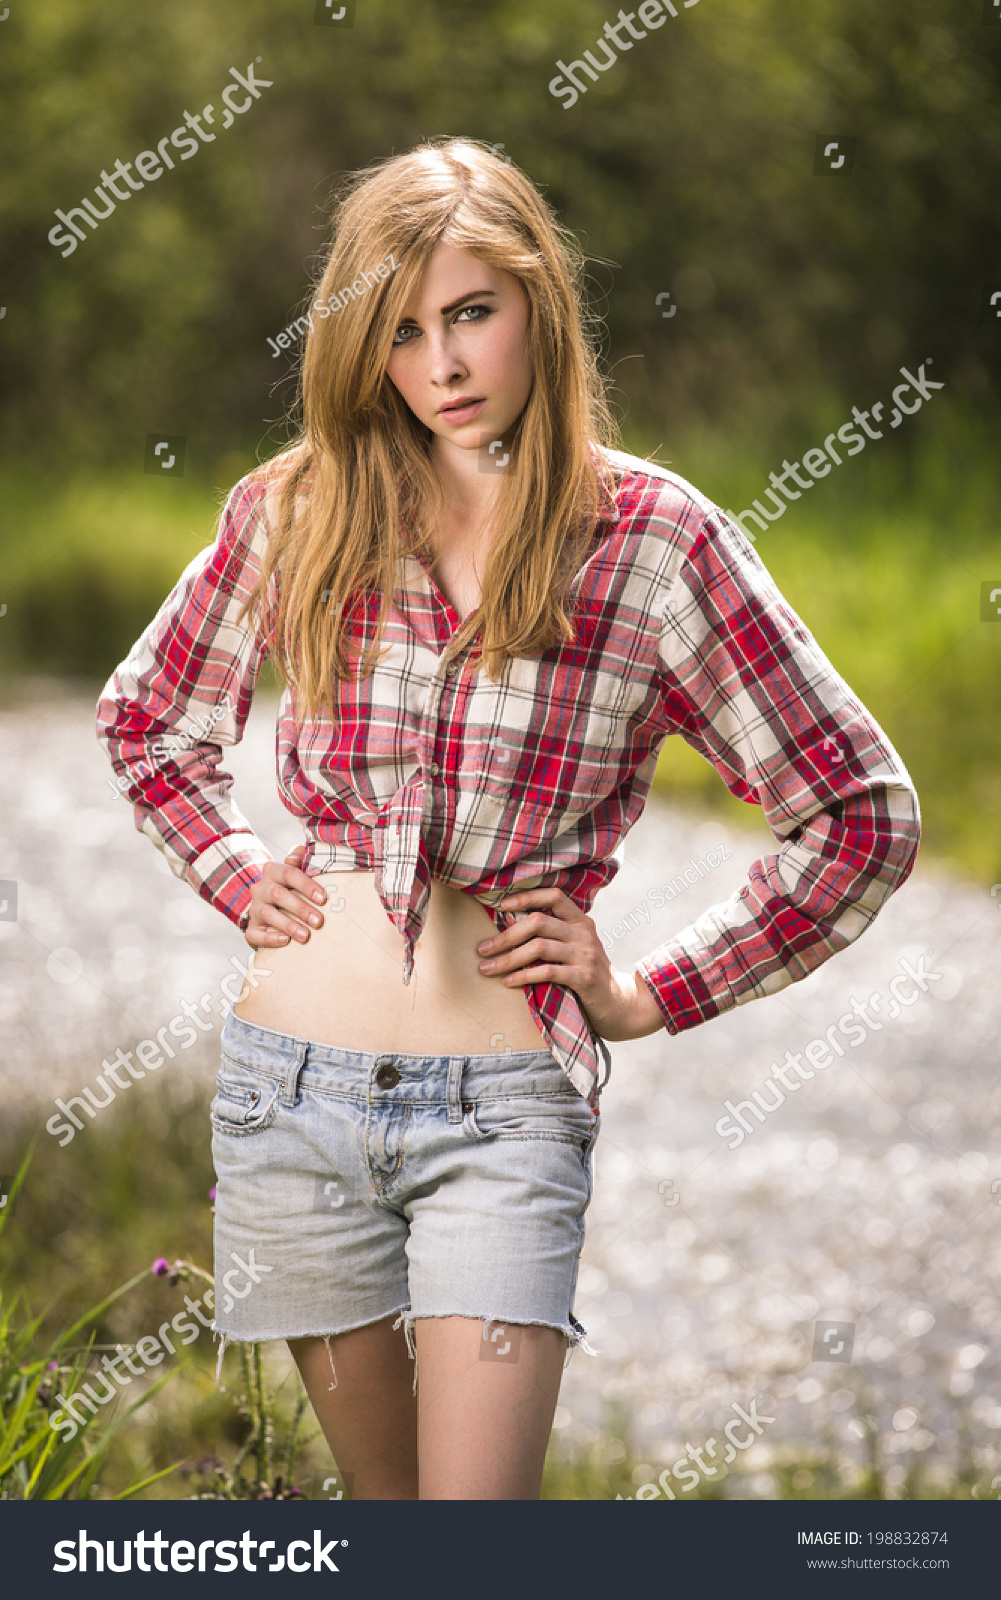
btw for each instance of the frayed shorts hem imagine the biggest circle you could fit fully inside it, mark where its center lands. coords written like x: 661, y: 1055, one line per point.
x: 573, y: 1331
x: 308, y: 1333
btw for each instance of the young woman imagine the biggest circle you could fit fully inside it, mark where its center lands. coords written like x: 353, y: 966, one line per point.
x: 488, y: 621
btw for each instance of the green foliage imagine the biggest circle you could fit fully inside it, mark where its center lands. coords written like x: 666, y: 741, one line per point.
x: 260, y: 1426
x: 689, y: 165
x: 36, y: 1462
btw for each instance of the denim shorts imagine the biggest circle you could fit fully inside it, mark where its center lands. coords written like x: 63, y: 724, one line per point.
x: 353, y: 1186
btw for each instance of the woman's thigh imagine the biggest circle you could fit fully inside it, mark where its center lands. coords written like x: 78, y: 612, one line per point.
x: 360, y: 1385
x: 485, y: 1423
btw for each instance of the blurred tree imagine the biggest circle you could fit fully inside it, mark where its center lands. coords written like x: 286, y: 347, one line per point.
x: 689, y: 164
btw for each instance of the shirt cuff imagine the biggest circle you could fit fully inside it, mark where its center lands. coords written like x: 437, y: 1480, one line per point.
x: 224, y: 875
x: 680, y: 989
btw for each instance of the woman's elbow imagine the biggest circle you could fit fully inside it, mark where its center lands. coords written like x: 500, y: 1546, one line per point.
x: 903, y: 828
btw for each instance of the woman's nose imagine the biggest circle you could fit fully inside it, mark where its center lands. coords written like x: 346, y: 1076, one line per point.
x: 446, y: 364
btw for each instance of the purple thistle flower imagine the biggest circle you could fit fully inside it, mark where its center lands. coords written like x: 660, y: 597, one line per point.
x: 161, y: 1267
x: 212, y: 1192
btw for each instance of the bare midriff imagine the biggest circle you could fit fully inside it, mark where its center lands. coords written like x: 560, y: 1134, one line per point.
x: 344, y: 986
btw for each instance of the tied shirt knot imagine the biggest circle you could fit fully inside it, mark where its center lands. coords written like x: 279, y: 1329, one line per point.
x: 402, y: 870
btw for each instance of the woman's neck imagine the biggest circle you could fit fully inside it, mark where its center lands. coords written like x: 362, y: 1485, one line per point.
x: 469, y: 494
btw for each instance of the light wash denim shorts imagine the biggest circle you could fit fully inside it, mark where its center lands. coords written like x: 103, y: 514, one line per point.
x: 353, y: 1186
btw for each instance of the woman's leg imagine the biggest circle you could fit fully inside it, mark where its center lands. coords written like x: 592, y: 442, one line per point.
x: 484, y: 1423
x: 370, y: 1419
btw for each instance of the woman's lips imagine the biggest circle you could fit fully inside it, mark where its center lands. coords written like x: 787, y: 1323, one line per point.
x: 465, y: 413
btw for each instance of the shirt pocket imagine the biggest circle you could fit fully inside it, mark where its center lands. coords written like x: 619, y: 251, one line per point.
x: 245, y: 1101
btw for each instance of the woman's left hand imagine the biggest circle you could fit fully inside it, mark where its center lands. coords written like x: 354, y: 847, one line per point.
x: 556, y: 941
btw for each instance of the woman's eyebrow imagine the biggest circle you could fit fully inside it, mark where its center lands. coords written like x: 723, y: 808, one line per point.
x: 474, y: 294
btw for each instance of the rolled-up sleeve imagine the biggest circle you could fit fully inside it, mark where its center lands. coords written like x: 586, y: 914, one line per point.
x: 746, y: 684
x: 181, y: 695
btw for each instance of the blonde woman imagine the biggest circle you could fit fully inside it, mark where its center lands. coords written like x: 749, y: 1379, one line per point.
x: 488, y: 621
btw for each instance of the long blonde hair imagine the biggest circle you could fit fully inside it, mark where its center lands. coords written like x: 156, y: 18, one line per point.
x: 360, y: 471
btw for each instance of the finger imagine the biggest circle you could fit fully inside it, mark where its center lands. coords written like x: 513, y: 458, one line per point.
x: 269, y: 918
x: 532, y: 926
x: 258, y: 934
x: 304, y: 886
x: 548, y: 972
x: 293, y: 903
x: 262, y: 938
x: 308, y: 887
x: 293, y: 878
x: 553, y: 900
x: 536, y: 950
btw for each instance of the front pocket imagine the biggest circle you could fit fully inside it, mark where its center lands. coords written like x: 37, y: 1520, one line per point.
x: 565, y: 1118
x: 245, y: 1101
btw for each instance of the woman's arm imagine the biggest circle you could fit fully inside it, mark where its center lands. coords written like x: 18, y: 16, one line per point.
x: 184, y: 692
x: 747, y: 685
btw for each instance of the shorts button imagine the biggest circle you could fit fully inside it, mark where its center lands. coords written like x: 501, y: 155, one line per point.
x: 583, y: 1144
x: 387, y: 1076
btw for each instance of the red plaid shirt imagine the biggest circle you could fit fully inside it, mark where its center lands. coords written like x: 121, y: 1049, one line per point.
x: 538, y: 779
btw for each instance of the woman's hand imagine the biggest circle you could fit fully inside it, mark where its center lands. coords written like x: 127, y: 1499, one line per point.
x: 282, y: 902
x: 560, y: 943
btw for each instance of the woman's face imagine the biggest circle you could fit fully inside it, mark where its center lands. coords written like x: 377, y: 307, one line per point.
x: 460, y: 355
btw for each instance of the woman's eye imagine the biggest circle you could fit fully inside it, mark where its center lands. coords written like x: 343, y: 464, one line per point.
x: 405, y: 328
x: 478, y: 312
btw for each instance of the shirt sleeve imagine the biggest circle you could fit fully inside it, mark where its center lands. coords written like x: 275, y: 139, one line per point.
x: 747, y: 686
x: 183, y: 692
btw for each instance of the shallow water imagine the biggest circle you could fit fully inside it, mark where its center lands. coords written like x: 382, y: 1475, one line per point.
x: 865, y: 1198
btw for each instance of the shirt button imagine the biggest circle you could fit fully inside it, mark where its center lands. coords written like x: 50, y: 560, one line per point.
x: 451, y: 669
x: 434, y: 769
x: 387, y: 1076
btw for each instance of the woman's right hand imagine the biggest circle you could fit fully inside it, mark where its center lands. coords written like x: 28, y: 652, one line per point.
x: 282, y: 902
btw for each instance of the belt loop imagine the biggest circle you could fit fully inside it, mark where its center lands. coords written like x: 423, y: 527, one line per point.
x: 454, y: 1092
x: 290, y: 1095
